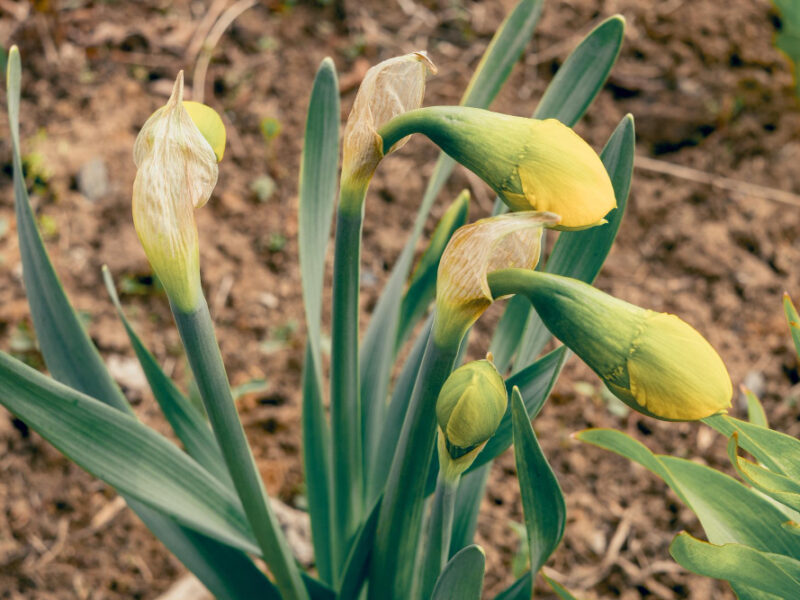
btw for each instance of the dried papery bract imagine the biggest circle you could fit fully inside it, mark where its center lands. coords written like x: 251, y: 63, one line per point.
x: 475, y: 250
x: 389, y: 89
x: 176, y: 173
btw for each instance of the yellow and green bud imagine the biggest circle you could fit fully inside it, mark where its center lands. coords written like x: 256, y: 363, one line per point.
x: 176, y: 154
x: 469, y: 409
x: 389, y: 88
x: 474, y: 251
x: 656, y: 363
x: 210, y: 125
x: 531, y: 164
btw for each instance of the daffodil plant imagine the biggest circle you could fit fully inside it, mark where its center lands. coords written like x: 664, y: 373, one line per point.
x: 394, y: 469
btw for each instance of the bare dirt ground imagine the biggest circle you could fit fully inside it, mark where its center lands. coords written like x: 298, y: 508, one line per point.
x: 708, y: 91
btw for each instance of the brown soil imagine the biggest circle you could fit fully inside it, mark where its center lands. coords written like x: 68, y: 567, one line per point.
x: 707, y: 90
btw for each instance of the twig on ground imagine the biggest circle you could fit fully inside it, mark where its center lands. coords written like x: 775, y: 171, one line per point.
x: 726, y: 183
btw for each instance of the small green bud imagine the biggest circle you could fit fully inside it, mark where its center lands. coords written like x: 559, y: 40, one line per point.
x: 469, y: 409
x: 656, y: 363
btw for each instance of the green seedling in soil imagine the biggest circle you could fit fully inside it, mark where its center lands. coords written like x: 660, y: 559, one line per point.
x: 395, y: 471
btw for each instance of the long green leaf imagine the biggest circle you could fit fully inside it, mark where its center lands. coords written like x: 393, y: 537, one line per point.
x: 65, y: 345
x: 521, y: 589
x: 462, y: 577
x: 776, y: 450
x: 581, y: 254
x: 559, y: 589
x: 317, y: 197
x: 118, y: 449
x: 542, y: 500
x: 728, y: 511
x: 738, y: 564
x: 357, y: 566
x: 777, y: 486
x: 210, y: 560
x: 398, y: 407
x: 378, y: 351
x: 755, y: 410
x: 583, y: 74
x: 186, y: 421
x: 794, y: 321
x: 468, y: 502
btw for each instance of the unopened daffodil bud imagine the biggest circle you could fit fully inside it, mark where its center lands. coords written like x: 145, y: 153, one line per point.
x: 176, y: 156
x: 474, y: 251
x: 210, y: 125
x: 531, y: 164
x: 389, y: 88
x: 656, y: 363
x: 469, y: 409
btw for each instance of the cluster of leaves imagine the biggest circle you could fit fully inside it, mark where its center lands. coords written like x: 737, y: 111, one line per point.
x: 753, y: 530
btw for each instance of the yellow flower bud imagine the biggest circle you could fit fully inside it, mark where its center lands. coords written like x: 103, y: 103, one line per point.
x: 656, y: 363
x: 210, y: 125
x: 176, y: 173
x: 469, y: 409
x: 531, y: 164
x: 474, y: 251
x: 389, y: 88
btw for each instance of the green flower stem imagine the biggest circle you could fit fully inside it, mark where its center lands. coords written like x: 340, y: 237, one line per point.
x: 413, y: 121
x: 197, y: 332
x: 400, y: 518
x: 440, y: 530
x: 348, y: 485
x: 507, y: 282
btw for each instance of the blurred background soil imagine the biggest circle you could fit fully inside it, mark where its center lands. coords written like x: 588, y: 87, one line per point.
x: 707, y: 89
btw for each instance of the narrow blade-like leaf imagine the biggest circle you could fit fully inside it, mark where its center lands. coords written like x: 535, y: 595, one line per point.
x: 794, y: 322
x: 728, y: 510
x: 738, y: 564
x: 118, y: 449
x: 583, y: 74
x: 357, y: 566
x: 317, y: 198
x: 468, y: 503
x: 559, y: 589
x: 186, y: 421
x: 521, y: 589
x: 776, y: 450
x: 462, y: 576
x: 542, y: 500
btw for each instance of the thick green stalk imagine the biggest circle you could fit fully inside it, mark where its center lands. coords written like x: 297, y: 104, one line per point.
x: 197, y: 332
x: 348, y: 480
x: 407, y: 123
x: 400, y: 519
x: 440, y: 530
